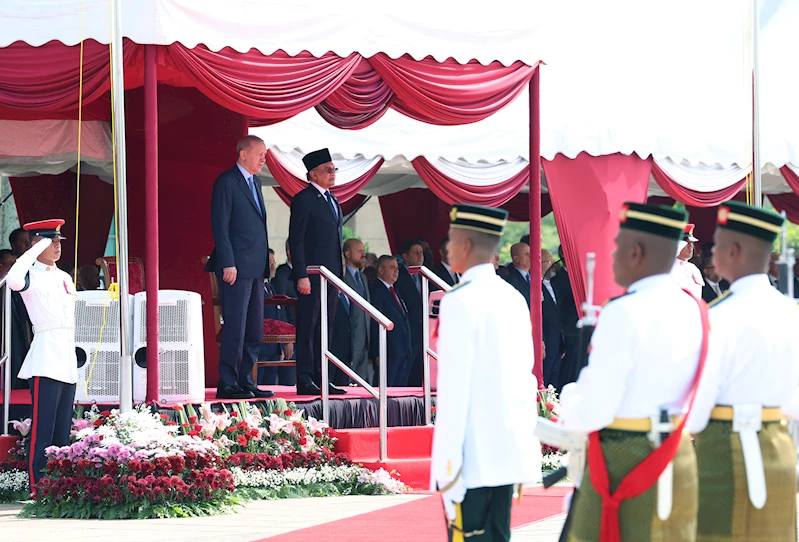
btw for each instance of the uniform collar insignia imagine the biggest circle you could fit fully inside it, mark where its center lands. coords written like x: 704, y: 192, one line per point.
x: 459, y: 285
x: 722, y: 297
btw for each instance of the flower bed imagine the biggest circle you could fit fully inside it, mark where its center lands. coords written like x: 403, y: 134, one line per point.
x: 143, y: 464
x: 549, y: 408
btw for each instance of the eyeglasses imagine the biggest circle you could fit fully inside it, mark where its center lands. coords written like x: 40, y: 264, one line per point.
x: 329, y: 169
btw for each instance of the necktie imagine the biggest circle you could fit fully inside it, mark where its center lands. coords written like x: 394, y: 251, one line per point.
x: 329, y: 197
x: 417, y: 280
x: 359, y: 282
x: 527, y: 277
x: 396, y: 297
x: 251, y: 184
x: 456, y: 277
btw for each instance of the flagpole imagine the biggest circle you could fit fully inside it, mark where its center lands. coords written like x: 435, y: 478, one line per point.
x: 118, y: 100
x: 757, y: 195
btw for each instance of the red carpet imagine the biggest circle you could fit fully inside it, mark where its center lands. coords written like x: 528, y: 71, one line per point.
x: 289, y: 393
x: 421, y: 520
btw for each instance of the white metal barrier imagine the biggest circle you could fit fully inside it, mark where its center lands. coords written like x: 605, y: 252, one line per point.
x: 325, y: 276
x: 427, y: 277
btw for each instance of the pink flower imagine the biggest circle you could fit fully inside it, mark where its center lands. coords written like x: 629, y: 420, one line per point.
x: 24, y: 427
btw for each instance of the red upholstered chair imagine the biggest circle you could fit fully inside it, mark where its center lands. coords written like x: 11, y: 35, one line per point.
x: 135, y: 272
x: 275, y: 331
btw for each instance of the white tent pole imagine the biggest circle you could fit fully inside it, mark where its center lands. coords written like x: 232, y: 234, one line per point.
x: 118, y: 90
x: 756, y: 173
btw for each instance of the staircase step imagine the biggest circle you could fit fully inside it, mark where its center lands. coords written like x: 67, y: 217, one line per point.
x: 412, y: 472
x: 415, y: 442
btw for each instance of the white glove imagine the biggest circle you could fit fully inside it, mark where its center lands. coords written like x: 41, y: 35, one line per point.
x: 453, y: 496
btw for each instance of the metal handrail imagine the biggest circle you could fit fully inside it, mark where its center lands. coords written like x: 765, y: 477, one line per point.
x: 325, y: 276
x: 427, y: 276
x: 5, y: 359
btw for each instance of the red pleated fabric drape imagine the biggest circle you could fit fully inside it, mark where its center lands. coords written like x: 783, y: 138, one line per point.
x: 519, y: 207
x: 693, y: 197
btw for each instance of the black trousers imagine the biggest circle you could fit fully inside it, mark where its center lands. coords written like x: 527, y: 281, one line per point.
x: 243, y: 333
x: 309, y: 332
x: 53, y: 406
x: 483, y: 516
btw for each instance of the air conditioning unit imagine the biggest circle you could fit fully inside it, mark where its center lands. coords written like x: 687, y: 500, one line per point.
x: 181, y: 356
x: 97, y: 347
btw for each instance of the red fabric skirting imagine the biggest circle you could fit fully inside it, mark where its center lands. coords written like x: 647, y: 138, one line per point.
x: 693, y: 197
x: 452, y: 191
x: 789, y: 203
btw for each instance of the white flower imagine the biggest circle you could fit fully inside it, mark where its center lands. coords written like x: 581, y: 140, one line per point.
x: 23, y: 427
x: 14, y: 480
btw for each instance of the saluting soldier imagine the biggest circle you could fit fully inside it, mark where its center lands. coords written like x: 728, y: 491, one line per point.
x: 686, y: 274
x: 50, y: 366
x: 643, y: 365
x: 485, y: 358
x: 746, y: 460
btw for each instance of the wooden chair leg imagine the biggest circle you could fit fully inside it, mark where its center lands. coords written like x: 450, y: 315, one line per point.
x: 255, y: 373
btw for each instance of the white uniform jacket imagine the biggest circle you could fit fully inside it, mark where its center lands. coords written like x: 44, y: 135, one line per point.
x: 49, y: 295
x: 688, y: 276
x: 753, y: 357
x: 644, y: 356
x: 486, y: 398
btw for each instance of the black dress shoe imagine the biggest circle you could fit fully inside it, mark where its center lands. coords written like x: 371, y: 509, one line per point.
x: 233, y: 392
x: 258, y: 392
x: 332, y: 390
x: 308, y: 389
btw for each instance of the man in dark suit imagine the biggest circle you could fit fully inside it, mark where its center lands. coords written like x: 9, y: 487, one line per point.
x: 568, y: 321
x: 314, y: 239
x: 551, y: 325
x: 354, y: 260
x: 284, y: 284
x: 443, y: 269
x: 283, y: 376
x: 386, y: 299
x: 409, y: 288
x: 519, y: 269
x: 715, y: 286
x: 240, y: 260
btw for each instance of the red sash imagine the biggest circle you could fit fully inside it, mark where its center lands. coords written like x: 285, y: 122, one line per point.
x: 646, y: 473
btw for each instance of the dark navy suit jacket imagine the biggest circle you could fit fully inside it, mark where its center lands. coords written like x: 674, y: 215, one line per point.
x: 239, y: 229
x: 398, y: 340
x: 314, y: 233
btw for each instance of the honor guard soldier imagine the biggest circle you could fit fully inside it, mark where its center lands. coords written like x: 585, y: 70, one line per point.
x: 50, y: 366
x: 483, y: 443
x: 686, y: 274
x: 746, y: 459
x: 646, y: 356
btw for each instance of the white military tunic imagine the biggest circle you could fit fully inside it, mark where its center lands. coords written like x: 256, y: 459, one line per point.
x: 753, y: 355
x: 644, y: 356
x: 688, y: 276
x: 486, y: 407
x: 50, y: 300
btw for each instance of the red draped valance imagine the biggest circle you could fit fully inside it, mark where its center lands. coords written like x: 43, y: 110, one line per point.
x: 693, y: 197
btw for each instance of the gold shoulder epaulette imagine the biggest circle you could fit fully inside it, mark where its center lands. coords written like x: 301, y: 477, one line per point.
x: 722, y: 297
x: 459, y: 285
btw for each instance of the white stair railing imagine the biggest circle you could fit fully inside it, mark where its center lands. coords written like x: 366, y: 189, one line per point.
x: 5, y: 348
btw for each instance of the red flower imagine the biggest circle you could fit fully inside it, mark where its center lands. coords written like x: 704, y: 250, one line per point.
x: 318, y: 434
x: 105, y: 413
x: 550, y: 406
x: 179, y: 408
x: 110, y: 468
x: 252, y: 433
x: 538, y: 398
x: 288, y: 413
x: 134, y: 465
x: 303, y: 441
x: 164, y: 416
x: 242, y: 440
x: 84, y: 464
x: 192, y: 419
x: 553, y: 419
x: 171, y: 423
x: 98, y: 422
x: 231, y: 429
x: 52, y: 465
x: 234, y: 414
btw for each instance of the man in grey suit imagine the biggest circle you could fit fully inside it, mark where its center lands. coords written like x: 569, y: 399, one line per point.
x: 355, y: 259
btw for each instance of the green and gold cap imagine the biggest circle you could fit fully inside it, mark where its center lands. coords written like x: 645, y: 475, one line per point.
x: 749, y: 220
x: 478, y: 218
x: 655, y: 219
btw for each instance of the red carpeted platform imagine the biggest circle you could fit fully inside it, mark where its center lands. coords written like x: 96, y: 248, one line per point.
x: 289, y: 393
x: 421, y: 520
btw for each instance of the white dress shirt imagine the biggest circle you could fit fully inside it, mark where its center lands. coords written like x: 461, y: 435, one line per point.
x: 550, y: 289
x: 50, y: 300
x: 644, y: 356
x: 754, y: 351
x: 456, y: 277
x: 485, y: 358
x: 688, y: 276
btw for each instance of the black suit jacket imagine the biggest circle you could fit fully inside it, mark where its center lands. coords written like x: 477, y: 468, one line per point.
x: 398, y: 340
x: 442, y: 272
x: 239, y: 229
x: 551, y: 327
x: 566, y: 304
x: 284, y: 285
x: 406, y: 288
x: 314, y: 233
x: 516, y: 280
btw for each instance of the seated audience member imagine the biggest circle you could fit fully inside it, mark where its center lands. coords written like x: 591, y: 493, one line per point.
x: 398, y: 341
x: 409, y: 289
x: 19, y: 241
x: 371, y: 260
x: 715, y: 286
x: 275, y: 315
x: 88, y: 278
x: 443, y: 270
x: 519, y: 270
x: 7, y: 259
x: 427, y: 252
x: 569, y: 316
x: 371, y: 274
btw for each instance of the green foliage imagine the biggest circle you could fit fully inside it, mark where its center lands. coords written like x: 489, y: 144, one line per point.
x: 348, y: 233
x: 515, y: 230
x: 320, y: 489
